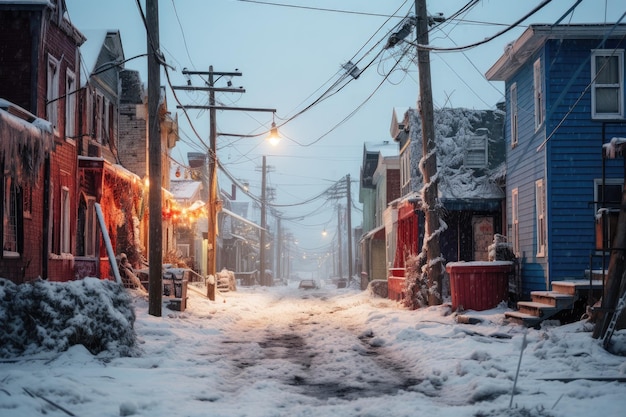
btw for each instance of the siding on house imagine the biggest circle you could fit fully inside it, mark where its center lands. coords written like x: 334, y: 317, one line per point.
x: 566, y: 151
x: 575, y: 157
x: 524, y: 167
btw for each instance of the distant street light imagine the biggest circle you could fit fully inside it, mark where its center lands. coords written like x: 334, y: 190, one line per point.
x: 273, y: 137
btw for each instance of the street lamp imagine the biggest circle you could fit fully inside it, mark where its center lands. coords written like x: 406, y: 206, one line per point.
x: 273, y: 137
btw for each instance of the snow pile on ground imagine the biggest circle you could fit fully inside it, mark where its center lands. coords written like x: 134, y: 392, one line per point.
x: 51, y: 316
x: 283, y: 351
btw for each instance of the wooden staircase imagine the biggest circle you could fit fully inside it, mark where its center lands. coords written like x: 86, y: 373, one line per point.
x: 546, y: 304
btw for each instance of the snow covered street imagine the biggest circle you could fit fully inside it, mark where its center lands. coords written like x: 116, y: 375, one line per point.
x: 284, y: 351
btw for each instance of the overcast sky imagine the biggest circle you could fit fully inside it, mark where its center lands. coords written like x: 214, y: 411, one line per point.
x: 290, y: 52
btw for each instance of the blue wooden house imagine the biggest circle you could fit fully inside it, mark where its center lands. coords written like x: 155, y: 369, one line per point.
x: 565, y: 98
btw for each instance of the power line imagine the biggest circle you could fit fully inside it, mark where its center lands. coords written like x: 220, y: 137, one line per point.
x: 319, y: 9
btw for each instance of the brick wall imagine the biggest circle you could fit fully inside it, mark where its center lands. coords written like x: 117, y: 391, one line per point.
x: 16, y: 51
x: 393, y: 185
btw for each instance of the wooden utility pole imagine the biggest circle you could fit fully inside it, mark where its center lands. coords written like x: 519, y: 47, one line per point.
x: 434, y: 263
x: 212, y: 208
x: 339, y: 247
x: 349, y: 221
x: 264, y: 280
x: 279, y: 248
x: 155, y: 252
x: 214, y: 203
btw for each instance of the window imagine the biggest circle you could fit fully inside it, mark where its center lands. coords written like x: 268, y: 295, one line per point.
x: 513, y: 102
x: 27, y: 201
x: 52, y: 92
x: 607, y: 84
x: 105, y: 122
x: 99, y: 106
x: 515, y: 221
x: 607, y: 199
x: 538, y: 93
x: 183, y: 250
x: 65, y: 221
x: 476, y: 155
x: 86, y: 233
x: 10, y: 219
x: 540, y: 201
x: 70, y: 105
x: 405, y: 171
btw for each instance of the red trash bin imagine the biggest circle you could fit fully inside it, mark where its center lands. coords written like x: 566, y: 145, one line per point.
x: 479, y: 285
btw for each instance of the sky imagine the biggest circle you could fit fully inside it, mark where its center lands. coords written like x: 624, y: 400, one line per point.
x: 281, y: 351
x: 290, y: 52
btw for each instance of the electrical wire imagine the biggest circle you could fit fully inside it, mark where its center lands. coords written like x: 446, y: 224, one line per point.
x: 319, y: 9
x: 484, y: 41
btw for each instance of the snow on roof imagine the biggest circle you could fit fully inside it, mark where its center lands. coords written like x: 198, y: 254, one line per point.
x: 185, y: 189
x: 454, y: 128
x: 28, y: 2
x: 517, y: 53
x: 385, y: 148
x: 31, y: 139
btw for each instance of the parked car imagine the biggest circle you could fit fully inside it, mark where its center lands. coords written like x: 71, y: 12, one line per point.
x: 307, y: 284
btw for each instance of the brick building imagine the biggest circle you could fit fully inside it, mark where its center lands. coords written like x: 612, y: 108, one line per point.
x: 39, y: 62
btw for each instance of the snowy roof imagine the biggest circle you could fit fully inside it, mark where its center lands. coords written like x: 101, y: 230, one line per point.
x: 518, y: 52
x: 454, y: 128
x: 27, y: 3
x: 385, y: 148
x: 29, y: 136
x: 185, y: 189
x: 372, y: 151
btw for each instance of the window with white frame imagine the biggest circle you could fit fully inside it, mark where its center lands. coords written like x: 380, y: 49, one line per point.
x: 515, y: 221
x: 540, y: 202
x: 10, y: 219
x: 64, y: 227
x: 513, y: 110
x: 607, y: 83
x: 538, y: 93
x: 70, y: 105
x: 52, y: 92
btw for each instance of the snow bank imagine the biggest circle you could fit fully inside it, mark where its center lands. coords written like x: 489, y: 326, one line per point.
x: 52, y: 316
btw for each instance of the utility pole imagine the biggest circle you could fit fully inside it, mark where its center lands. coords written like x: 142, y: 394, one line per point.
x: 213, y: 194
x: 155, y: 252
x: 214, y: 203
x: 349, y: 220
x: 339, y: 247
x: 264, y: 280
x: 434, y: 267
x: 279, y: 248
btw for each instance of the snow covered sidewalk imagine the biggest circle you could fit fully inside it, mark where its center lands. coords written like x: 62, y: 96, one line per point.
x: 282, y: 351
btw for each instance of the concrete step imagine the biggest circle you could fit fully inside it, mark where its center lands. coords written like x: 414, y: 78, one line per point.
x: 553, y: 298
x: 540, y: 310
